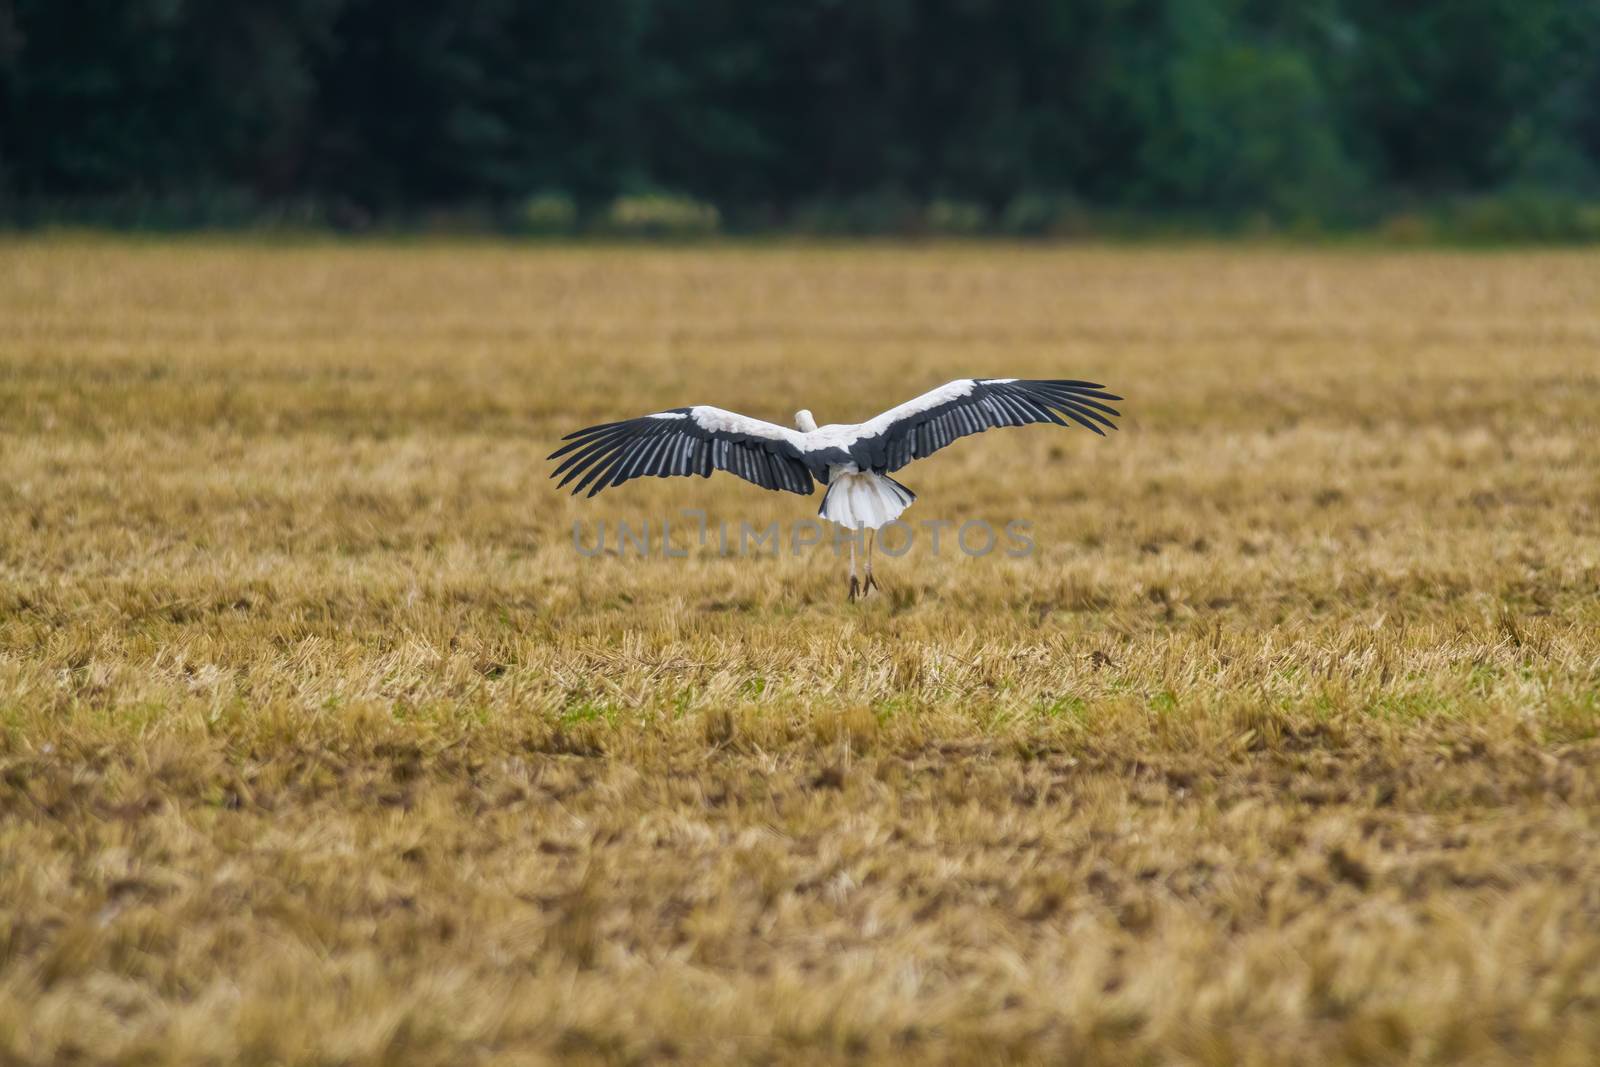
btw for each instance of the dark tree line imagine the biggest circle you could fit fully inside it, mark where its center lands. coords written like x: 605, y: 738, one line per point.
x: 1320, y: 108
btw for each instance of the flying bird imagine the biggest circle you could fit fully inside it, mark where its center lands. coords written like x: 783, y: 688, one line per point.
x: 854, y: 461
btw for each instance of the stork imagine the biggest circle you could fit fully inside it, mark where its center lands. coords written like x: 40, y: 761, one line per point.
x: 854, y: 461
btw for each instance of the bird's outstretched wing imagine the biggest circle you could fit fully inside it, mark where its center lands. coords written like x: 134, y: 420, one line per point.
x: 922, y: 426
x: 684, y: 441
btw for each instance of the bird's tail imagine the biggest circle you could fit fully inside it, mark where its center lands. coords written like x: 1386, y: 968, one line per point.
x: 864, y: 500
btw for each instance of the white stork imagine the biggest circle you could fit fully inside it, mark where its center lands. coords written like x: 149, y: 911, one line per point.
x: 853, y: 461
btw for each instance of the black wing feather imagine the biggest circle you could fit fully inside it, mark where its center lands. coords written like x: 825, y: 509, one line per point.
x: 611, y: 453
x: 990, y: 404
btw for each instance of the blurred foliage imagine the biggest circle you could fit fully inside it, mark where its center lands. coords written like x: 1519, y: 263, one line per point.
x: 548, y: 213
x: 660, y: 215
x: 1026, y: 116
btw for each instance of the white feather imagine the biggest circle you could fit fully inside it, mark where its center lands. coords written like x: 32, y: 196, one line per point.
x: 862, y: 500
x: 833, y: 435
x: 842, y: 435
x: 717, y: 420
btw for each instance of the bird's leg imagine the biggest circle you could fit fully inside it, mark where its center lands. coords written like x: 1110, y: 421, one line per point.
x: 869, y: 585
x: 855, y: 586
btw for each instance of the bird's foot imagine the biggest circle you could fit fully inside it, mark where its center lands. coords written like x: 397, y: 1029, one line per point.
x: 855, y: 589
x: 869, y: 585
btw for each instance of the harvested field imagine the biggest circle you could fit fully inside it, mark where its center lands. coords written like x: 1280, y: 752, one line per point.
x: 321, y: 741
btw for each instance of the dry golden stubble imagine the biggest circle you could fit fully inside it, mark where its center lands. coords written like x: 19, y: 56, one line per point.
x: 321, y: 743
